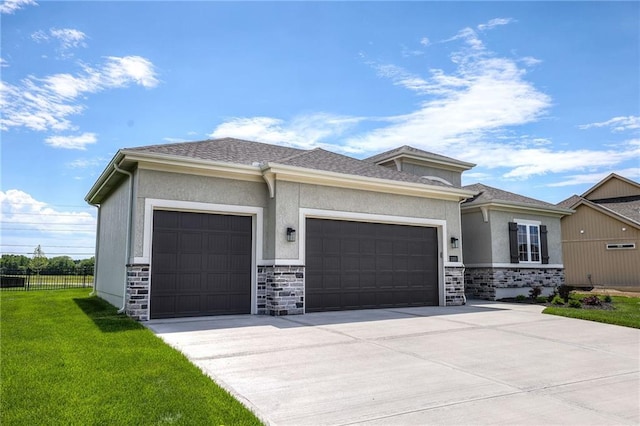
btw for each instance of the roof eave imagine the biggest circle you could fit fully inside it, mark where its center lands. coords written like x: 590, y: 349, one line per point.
x: 307, y: 175
x: 607, y: 211
x: 510, y: 205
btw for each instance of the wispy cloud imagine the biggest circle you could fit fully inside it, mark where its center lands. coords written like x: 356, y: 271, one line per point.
x: 591, y: 178
x: 473, y: 113
x: 495, y: 23
x: 85, y: 163
x: 425, y: 41
x: 3, y: 63
x: 66, y: 38
x: 46, y: 103
x: 305, y: 131
x: 616, y: 124
x: 9, y: 7
x: 72, y: 142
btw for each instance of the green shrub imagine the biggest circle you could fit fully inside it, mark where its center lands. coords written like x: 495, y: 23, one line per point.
x: 520, y: 297
x: 557, y: 300
x: 542, y: 299
x: 592, y: 300
x: 535, y: 292
x: 565, y: 291
x: 607, y: 299
x: 574, y: 303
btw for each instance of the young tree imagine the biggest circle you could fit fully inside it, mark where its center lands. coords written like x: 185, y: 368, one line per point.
x: 39, y: 260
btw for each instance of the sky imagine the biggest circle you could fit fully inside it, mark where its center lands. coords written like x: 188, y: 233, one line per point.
x: 543, y: 96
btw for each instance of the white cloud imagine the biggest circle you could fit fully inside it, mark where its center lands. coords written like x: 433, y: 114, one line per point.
x: 85, y: 163
x: 616, y: 124
x: 3, y: 63
x: 494, y: 23
x: 28, y: 222
x: 45, y: 104
x: 425, y: 41
x: 71, y: 142
x: 592, y: 178
x: 407, y: 53
x: 304, y: 131
x: 530, y: 61
x: 69, y: 38
x: 11, y: 6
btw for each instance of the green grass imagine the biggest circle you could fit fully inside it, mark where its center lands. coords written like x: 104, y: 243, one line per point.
x: 626, y: 312
x: 66, y: 358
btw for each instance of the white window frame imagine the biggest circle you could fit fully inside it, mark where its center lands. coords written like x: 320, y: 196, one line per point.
x: 528, y: 224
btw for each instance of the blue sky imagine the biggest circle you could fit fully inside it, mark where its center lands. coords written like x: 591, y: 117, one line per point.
x: 542, y: 96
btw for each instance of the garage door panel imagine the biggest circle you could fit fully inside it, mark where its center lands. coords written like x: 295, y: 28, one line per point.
x: 356, y: 265
x: 201, y: 264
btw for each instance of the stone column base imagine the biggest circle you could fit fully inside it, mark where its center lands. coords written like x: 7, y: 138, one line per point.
x: 454, y: 286
x: 498, y: 283
x: 137, y: 303
x: 280, y: 290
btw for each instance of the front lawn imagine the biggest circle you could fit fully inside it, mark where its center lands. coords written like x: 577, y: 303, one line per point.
x: 626, y: 311
x: 67, y: 358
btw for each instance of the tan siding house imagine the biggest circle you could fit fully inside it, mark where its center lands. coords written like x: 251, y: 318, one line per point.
x: 600, y: 240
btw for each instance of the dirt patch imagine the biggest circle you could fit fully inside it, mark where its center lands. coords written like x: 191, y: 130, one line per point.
x: 632, y: 292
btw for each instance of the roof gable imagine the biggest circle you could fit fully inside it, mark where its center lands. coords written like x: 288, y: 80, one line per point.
x: 613, y: 186
x: 487, y: 195
x: 420, y: 155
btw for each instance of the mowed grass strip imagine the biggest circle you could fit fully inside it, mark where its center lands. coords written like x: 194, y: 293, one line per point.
x: 626, y: 311
x: 67, y: 358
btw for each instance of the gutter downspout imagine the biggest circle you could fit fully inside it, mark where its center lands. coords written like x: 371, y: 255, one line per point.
x: 95, y: 256
x: 128, y: 244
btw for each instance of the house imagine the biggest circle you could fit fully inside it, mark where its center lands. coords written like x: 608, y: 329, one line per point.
x: 229, y: 226
x: 600, y: 240
x: 511, y: 244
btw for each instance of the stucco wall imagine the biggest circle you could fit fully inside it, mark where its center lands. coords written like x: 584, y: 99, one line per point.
x: 111, y: 262
x: 500, y: 234
x: 476, y: 238
x: 185, y: 187
x: 416, y: 169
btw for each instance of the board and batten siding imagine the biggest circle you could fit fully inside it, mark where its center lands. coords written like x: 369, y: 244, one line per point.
x: 613, y: 188
x: 585, y: 236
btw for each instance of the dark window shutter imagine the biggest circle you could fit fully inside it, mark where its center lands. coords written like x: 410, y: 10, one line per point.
x: 513, y: 242
x: 544, y: 248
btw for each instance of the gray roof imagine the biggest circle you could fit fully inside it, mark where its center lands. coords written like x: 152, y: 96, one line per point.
x: 406, y: 149
x: 627, y: 207
x: 488, y: 194
x: 227, y: 150
x: 569, y: 202
x: 237, y: 151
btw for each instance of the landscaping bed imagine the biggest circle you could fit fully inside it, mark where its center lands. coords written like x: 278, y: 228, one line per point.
x: 593, y: 306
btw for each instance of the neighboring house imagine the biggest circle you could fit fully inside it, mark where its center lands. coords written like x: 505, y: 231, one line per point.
x: 511, y: 244
x: 231, y: 227
x: 600, y: 240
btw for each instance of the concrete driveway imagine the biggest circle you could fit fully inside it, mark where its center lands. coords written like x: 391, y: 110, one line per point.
x: 484, y: 363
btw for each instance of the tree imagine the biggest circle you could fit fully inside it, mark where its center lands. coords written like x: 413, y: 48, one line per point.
x: 14, y: 262
x: 39, y: 260
x: 60, y: 264
x: 87, y: 265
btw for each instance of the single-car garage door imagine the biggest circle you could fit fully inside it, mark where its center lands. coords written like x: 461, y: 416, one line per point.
x: 201, y: 264
x: 357, y: 265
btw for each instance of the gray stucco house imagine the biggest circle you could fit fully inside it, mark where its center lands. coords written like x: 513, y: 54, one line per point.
x: 230, y: 226
x: 511, y: 244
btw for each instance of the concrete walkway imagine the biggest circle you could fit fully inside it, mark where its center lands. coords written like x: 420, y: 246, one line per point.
x: 484, y: 363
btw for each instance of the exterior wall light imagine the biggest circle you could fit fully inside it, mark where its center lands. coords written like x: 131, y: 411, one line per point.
x: 454, y: 242
x: 291, y: 235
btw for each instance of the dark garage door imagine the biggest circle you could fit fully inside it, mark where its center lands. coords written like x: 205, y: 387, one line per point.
x: 356, y: 265
x: 201, y: 264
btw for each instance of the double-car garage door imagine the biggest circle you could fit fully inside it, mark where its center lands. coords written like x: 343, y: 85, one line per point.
x: 357, y: 265
x: 202, y: 265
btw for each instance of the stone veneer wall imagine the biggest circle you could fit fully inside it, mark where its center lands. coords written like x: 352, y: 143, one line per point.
x: 137, y: 303
x: 454, y: 286
x: 481, y: 283
x: 280, y: 290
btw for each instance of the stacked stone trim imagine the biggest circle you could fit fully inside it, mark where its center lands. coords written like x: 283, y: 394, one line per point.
x: 137, y: 303
x: 454, y: 286
x: 483, y: 283
x: 283, y: 290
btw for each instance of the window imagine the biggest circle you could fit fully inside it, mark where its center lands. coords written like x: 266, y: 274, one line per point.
x: 621, y: 246
x: 528, y: 243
